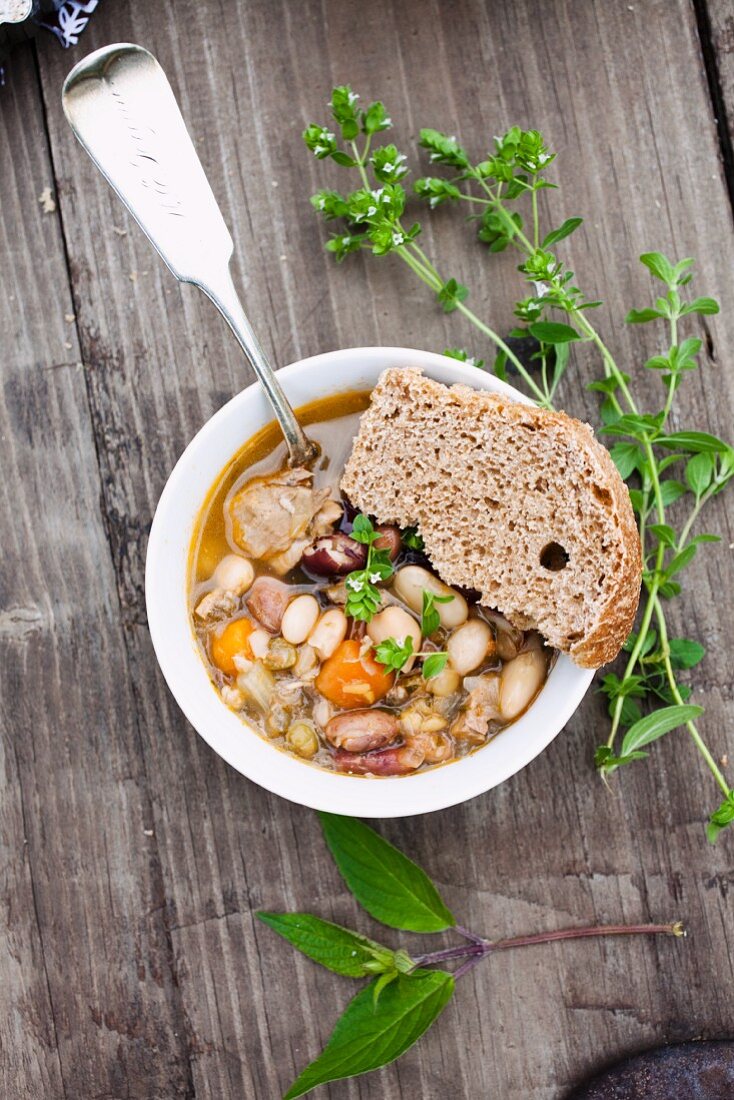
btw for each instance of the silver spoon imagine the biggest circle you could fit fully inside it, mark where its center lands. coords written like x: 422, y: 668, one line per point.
x: 120, y: 105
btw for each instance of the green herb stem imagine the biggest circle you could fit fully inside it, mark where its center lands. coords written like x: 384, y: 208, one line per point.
x: 674, y: 929
x: 479, y: 948
x: 500, y: 343
x: 691, y: 726
x: 633, y: 658
x: 514, y: 168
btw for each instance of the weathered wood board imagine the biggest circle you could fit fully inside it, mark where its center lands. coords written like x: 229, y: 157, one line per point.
x: 132, y: 858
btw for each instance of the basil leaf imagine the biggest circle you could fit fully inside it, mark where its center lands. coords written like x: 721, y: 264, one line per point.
x: 411, y: 536
x: 630, y: 712
x: 390, y: 886
x: 698, y: 539
x: 332, y: 946
x: 641, y: 427
x: 367, y: 1037
x: 375, y: 119
x: 450, y: 294
x: 553, y: 332
x: 656, y: 725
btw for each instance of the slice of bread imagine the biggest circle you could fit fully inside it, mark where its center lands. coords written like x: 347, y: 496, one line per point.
x: 522, y: 504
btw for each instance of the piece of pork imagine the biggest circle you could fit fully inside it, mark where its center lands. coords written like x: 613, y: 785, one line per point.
x: 270, y: 513
x: 220, y: 603
x: 482, y: 707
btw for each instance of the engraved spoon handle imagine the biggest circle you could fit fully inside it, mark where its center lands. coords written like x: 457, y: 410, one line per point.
x: 122, y: 109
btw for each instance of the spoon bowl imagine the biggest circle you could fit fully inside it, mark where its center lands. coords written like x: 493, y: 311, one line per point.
x: 122, y: 109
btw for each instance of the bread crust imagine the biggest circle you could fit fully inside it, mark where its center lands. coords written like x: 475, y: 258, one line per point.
x: 409, y: 412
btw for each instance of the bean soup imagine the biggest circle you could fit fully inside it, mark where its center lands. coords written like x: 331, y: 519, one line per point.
x: 332, y: 634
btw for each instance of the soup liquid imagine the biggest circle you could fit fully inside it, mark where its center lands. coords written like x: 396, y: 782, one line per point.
x: 333, y: 423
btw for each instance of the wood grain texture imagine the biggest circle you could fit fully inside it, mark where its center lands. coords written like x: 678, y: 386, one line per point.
x: 716, y: 32
x: 90, y: 1006
x: 229, y: 1008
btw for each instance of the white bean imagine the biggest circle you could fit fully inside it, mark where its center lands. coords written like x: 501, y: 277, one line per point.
x: 446, y: 683
x: 410, y: 583
x: 234, y: 574
x: 329, y: 632
x: 520, y: 680
x: 395, y: 623
x: 299, y: 619
x: 469, y: 645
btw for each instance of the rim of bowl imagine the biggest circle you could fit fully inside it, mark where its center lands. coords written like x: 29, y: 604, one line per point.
x: 180, y: 661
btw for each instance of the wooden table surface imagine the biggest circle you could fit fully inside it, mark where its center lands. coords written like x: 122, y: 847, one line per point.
x: 131, y: 857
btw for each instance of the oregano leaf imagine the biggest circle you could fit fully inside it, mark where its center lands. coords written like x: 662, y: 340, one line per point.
x: 655, y: 725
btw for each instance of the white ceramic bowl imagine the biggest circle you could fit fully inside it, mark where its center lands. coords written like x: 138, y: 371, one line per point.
x: 179, y: 658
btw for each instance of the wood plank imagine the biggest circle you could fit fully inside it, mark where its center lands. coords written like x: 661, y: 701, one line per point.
x: 29, y: 1058
x: 89, y: 1004
x: 716, y: 31
x: 549, y: 847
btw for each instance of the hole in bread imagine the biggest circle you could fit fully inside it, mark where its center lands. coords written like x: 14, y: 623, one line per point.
x: 602, y: 495
x: 554, y: 557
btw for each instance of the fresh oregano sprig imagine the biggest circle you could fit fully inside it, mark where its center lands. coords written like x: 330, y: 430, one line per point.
x: 501, y: 193
x: 363, y: 595
x: 373, y: 213
x: 403, y: 996
x: 394, y: 654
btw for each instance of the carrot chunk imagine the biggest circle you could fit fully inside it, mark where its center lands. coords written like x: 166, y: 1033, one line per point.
x: 348, y: 679
x: 233, y: 640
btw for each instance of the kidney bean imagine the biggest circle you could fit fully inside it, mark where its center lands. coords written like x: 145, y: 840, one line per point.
x: 392, y: 761
x: 362, y: 730
x: 334, y: 555
x: 268, y: 600
x: 389, y: 539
